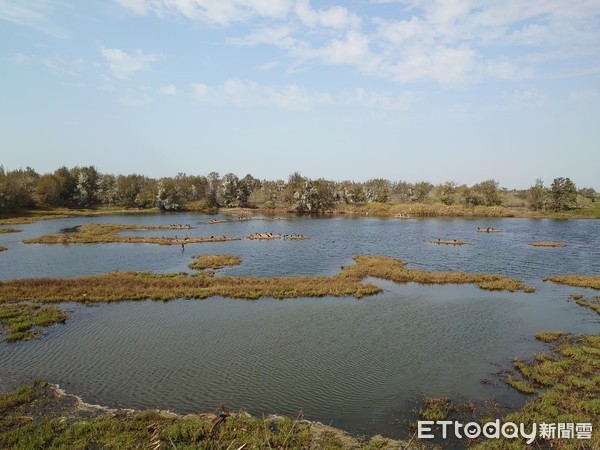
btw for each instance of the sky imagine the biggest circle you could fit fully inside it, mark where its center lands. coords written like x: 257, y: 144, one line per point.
x: 438, y: 90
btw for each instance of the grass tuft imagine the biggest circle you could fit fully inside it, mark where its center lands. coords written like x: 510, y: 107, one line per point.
x: 214, y: 261
x: 23, y: 321
x: 587, y: 281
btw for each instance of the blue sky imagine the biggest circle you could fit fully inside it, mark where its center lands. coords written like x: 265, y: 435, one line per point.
x: 406, y: 90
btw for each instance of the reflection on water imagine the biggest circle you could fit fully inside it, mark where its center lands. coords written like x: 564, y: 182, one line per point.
x: 358, y: 364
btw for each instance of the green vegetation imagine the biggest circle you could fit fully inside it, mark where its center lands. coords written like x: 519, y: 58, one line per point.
x: 24, y: 320
x: 9, y: 230
x: 572, y: 391
x: 85, y: 187
x: 548, y: 244
x: 520, y: 385
x: 115, y: 286
x: 586, y: 281
x: 214, y: 261
x: 107, y: 233
x: 40, y: 416
x: 435, y: 408
x: 592, y: 303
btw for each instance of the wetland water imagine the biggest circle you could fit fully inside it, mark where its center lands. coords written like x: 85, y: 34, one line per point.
x: 358, y: 364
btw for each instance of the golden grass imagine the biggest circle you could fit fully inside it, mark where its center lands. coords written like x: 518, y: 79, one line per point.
x: 109, y: 233
x: 452, y: 242
x: 116, y: 286
x: 548, y: 244
x: 9, y: 230
x: 587, y: 281
x: 2, y: 248
x: 214, y: 261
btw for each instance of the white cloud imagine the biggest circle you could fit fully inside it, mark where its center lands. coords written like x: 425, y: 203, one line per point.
x: 249, y: 93
x: 170, y: 89
x: 333, y: 17
x: 527, y: 97
x: 20, y: 58
x: 221, y: 12
x: 581, y: 96
x: 124, y: 65
x: 141, y: 100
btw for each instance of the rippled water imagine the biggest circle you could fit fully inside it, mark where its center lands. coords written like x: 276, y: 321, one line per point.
x: 358, y: 364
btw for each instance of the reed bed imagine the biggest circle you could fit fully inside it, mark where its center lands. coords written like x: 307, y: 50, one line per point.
x: 592, y: 303
x: 109, y: 233
x: 116, y: 286
x: 548, y: 244
x: 586, y: 281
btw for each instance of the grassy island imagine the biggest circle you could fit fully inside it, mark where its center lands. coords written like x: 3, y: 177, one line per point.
x: 109, y: 233
x: 115, y: 286
x: 586, y: 281
x: 548, y: 244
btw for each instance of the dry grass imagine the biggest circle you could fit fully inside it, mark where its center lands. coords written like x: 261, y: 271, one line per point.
x: 241, y: 219
x: 9, y: 230
x: 548, y: 244
x: 109, y: 233
x: 214, y: 261
x: 452, y: 242
x: 587, y: 281
x: 115, y: 286
x: 2, y: 248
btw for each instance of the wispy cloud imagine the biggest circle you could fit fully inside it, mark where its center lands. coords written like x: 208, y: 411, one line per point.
x: 170, y: 89
x: 582, y: 96
x: 124, y: 65
x: 34, y: 14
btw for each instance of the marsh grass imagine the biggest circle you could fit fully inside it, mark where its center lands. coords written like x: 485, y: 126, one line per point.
x: 549, y: 336
x: 586, y: 281
x: 214, y: 261
x: 570, y: 381
x: 2, y: 248
x: 9, y: 230
x: 109, y: 233
x: 548, y: 244
x: 40, y: 416
x: 24, y: 320
x: 435, y: 408
x: 116, y: 286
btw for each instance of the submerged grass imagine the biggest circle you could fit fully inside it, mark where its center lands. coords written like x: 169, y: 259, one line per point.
x: 435, y: 408
x: 109, y: 233
x: 9, y: 230
x: 115, y: 286
x: 591, y: 302
x: 549, y: 336
x: 571, y: 379
x: 587, y: 281
x: 41, y: 416
x: 548, y: 244
x: 24, y: 320
x: 214, y: 261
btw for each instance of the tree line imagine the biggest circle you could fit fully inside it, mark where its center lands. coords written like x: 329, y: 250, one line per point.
x: 82, y: 187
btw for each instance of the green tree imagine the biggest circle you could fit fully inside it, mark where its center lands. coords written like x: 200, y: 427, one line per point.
x: 538, y: 195
x: 563, y: 193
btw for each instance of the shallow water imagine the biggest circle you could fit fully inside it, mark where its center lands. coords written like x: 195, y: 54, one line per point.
x: 358, y: 364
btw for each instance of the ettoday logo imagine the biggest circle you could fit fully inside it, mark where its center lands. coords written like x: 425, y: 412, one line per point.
x: 508, y: 430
